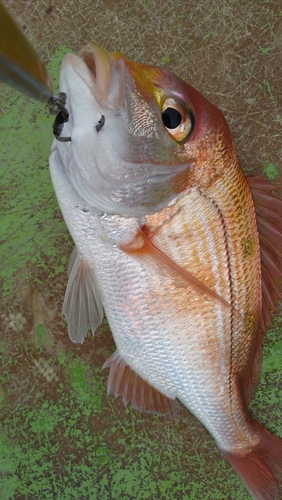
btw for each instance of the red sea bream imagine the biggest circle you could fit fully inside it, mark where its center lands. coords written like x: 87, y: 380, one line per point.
x: 175, y: 244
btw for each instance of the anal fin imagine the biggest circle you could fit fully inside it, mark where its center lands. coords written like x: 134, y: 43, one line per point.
x: 82, y: 304
x: 123, y: 381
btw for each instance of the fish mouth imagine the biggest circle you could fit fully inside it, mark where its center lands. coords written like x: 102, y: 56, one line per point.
x: 98, y: 62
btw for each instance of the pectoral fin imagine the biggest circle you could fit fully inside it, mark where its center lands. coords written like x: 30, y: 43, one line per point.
x: 144, y: 250
x: 82, y: 304
x: 123, y: 381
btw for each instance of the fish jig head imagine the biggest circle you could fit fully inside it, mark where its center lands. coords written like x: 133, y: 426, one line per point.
x: 57, y: 107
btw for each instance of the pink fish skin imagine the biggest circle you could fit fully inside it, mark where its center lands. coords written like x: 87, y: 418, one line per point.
x: 176, y: 245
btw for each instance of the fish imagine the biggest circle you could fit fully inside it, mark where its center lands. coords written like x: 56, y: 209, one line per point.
x: 177, y: 246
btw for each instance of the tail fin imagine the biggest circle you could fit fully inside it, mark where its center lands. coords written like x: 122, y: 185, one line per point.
x: 260, y: 469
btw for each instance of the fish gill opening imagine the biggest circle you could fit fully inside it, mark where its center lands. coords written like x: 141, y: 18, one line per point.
x: 233, y: 310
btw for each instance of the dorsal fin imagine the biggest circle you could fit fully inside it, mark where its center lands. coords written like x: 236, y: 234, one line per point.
x: 269, y: 221
x: 123, y: 381
x: 82, y: 304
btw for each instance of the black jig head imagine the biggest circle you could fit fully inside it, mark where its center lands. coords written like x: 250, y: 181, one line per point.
x: 57, y: 107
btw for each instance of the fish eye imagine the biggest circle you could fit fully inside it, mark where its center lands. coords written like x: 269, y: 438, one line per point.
x: 171, y: 118
x: 178, y: 121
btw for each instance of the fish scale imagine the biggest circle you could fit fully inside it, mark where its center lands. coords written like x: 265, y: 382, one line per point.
x: 245, y: 264
x: 138, y: 321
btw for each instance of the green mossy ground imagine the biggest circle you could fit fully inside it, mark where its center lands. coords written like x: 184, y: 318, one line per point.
x: 61, y: 437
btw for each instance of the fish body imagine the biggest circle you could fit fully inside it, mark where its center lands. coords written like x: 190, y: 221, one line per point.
x: 167, y: 244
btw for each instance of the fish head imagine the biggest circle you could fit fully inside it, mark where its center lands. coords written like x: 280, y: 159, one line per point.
x: 140, y: 136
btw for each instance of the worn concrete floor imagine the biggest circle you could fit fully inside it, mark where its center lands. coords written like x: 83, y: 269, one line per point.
x: 61, y: 437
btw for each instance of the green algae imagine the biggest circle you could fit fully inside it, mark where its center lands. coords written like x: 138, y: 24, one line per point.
x: 44, y: 430
x: 41, y: 335
x: 270, y: 170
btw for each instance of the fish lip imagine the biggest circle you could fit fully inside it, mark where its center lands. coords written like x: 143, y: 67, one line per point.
x: 93, y: 69
x: 98, y: 62
x: 98, y: 73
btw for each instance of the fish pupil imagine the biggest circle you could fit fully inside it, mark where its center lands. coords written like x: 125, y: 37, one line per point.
x: 171, y: 118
